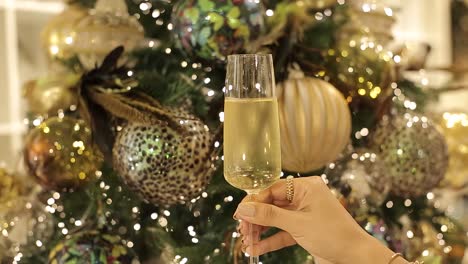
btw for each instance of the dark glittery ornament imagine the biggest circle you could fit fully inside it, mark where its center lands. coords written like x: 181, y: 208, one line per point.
x: 163, y: 165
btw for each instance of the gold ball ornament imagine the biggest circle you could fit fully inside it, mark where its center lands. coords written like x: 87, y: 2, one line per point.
x: 361, y: 68
x: 10, y: 187
x: 439, y: 241
x: 25, y: 227
x: 59, y: 35
x: 319, y: 4
x: 106, y: 27
x: 47, y: 95
x: 413, y: 151
x: 455, y: 129
x: 163, y: 165
x: 315, y: 123
x: 61, y: 155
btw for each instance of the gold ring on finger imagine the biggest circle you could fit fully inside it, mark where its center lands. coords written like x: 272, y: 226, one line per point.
x: 290, y: 188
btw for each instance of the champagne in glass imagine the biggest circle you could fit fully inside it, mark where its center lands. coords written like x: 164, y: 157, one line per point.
x: 252, y: 151
x: 251, y: 143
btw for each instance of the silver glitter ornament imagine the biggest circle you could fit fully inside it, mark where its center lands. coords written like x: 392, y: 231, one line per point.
x: 414, y: 153
x: 358, y: 177
x: 163, y: 165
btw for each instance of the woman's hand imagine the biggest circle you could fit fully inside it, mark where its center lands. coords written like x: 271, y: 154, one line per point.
x: 314, y: 219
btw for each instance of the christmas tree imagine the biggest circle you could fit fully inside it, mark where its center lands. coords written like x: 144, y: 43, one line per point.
x: 123, y: 154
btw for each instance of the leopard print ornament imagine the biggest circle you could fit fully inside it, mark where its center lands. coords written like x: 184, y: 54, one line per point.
x: 414, y: 153
x: 165, y: 166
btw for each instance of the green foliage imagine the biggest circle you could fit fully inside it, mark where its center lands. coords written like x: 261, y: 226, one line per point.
x: 308, y: 46
x: 321, y: 35
x: 416, y: 94
x: 214, y: 223
x: 72, y: 63
x: 362, y: 118
x: 153, y: 30
x: 161, y: 76
x: 393, y: 214
x: 459, y: 9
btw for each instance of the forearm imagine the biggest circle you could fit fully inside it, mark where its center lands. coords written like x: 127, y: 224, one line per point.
x: 369, y: 250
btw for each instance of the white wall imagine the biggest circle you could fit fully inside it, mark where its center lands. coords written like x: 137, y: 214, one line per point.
x: 21, y: 59
x: 427, y: 21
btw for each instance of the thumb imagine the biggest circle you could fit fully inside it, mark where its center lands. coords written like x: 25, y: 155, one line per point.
x: 265, y: 215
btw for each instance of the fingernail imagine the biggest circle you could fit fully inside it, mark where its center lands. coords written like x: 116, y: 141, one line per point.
x: 246, y: 209
x: 235, y: 216
x: 248, y: 250
x: 243, y: 248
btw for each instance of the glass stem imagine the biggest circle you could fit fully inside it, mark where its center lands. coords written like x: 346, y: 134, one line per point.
x: 254, y: 237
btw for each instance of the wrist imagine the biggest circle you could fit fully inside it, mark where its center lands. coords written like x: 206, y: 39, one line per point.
x: 368, y: 250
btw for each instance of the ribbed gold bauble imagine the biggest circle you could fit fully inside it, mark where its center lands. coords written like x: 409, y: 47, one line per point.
x: 315, y: 123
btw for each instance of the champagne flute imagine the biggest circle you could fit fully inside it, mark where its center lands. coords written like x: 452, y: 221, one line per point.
x: 252, y: 151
